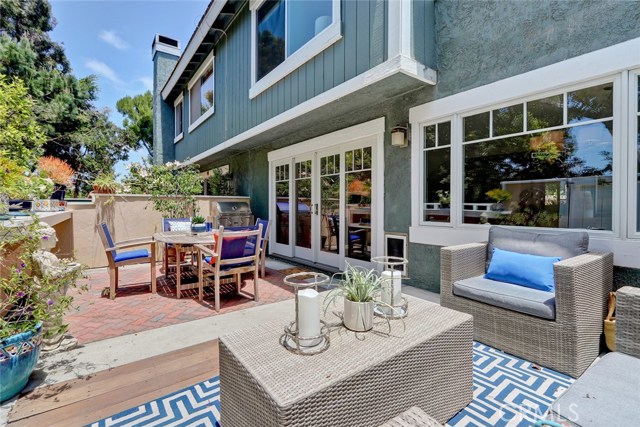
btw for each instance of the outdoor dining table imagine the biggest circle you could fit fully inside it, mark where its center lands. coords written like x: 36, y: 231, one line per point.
x: 179, y: 239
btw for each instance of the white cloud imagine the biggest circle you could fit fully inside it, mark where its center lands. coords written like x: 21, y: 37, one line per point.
x: 111, y: 38
x: 147, y: 82
x: 102, y: 69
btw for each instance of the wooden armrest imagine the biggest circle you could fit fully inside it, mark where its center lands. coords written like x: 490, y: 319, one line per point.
x: 205, y: 250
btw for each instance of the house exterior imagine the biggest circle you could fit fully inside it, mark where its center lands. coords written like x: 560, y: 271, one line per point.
x: 364, y: 128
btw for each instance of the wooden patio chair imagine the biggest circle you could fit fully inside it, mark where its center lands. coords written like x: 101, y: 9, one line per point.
x: 120, y: 259
x: 230, y: 256
x: 266, y: 224
x: 176, y: 224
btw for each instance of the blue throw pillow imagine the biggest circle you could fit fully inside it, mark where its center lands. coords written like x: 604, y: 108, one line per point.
x: 531, y: 271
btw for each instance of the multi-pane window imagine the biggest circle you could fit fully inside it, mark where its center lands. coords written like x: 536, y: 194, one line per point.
x: 282, y: 204
x: 437, y: 175
x: 284, y: 26
x: 201, y: 94
x: 542, y: 163
x: 179, y: 113
x: 303, y: 203
x: 358, y: 178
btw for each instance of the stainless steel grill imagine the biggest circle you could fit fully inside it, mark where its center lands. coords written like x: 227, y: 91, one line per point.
x: 231, y: 214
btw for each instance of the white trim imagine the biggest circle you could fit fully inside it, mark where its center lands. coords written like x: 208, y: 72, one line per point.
x: 376, y: 74
x: 609, y: 64
x: 179, y: 99
x: 196, y: 40
x: 209, y: 60
x: 317, y: 44
x: 632, y: 154
x: 399, y: 38
x: 339, y: 137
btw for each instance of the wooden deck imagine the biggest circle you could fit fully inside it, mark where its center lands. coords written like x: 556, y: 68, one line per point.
x: 87, y: 399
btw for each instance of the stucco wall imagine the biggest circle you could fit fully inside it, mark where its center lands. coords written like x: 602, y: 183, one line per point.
x: 128, y: 217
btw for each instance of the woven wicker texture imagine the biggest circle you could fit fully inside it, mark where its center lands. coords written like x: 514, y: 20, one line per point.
x: 412, y: 417
x: 571, y: 342
x: 361, y: 380
x: 628, y: 321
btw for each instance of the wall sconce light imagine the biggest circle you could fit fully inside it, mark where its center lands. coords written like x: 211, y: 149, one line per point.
x: 400, y: 136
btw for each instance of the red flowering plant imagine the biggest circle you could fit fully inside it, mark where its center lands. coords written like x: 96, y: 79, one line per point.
x: 30, y: 297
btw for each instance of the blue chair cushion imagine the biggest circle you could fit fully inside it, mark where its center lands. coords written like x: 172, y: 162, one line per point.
x: 506, y: 295
x: 128, y: 255
x: 531, y: 271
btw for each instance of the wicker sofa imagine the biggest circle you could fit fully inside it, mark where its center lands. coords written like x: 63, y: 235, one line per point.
x: 606, y: 395
x: 562, y: 332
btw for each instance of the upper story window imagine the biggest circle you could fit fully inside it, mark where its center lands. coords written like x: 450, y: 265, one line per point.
x: 437, y: 177
x: 282, y: 28
x: 178, y: 111
x: 201, y: 94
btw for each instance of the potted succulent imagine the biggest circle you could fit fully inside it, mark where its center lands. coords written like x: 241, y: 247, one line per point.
x: 359, y: 288
x: 106, y: 183
x: 29, y: 299
x: 198, y: 224
x: 59, y: 171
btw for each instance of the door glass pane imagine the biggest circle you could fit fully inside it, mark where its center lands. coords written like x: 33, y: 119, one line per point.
x: 303, y: 204
x: 330, y: 206
x: 358, y: 210
x: 545, y: 113
x: 270, y: 34
x: 476, y: 126
x: 508, y: 120
x: 282, y: 204
x: 590, y: 103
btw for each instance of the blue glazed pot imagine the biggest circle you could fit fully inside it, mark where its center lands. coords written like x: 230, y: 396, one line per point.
x: 198, y: 228
x: 18, y: 357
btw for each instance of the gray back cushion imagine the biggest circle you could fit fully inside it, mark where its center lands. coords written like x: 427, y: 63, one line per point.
x: 563, y: 244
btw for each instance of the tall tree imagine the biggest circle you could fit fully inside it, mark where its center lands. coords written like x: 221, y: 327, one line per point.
x: 138, y: 119
x: 76, y: 131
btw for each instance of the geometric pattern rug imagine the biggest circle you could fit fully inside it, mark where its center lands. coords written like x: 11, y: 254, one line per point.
x: 507, y: 392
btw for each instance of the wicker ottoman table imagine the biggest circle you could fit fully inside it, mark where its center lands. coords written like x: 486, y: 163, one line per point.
x: 361, y: 380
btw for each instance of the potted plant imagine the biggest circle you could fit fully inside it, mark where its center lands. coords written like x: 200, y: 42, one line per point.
x: 359, y: 288
x: 29, y: 298
x: 106, y: 183
x: 59, y: 172
x: 198, y: 224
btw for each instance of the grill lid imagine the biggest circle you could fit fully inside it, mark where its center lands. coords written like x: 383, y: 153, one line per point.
x: 234, y: 208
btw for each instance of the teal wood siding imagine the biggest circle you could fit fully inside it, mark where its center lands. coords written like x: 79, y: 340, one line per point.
x: 362, y: 47
x: 424, y: 32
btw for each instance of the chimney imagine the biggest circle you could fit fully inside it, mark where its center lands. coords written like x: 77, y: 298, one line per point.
x: 165, y: 53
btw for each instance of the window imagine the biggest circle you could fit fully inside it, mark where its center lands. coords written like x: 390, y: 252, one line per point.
x: 282, y: 28
x: 178, y: 111
x: 545, y: 162
x: 437, y: 176
x: 282, y: 203
x: 637, y: 132
x: 201, y: 94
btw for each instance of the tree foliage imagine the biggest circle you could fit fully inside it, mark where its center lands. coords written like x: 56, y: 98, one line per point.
x: 138, y: 119
x: 75, y: 130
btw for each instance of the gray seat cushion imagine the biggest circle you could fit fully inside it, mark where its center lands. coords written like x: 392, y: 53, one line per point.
x: 506, y: 295
x: 564, y: 245
x: 605, y: 395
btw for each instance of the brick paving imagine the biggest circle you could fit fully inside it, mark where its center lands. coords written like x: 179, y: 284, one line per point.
x: 136, y: 309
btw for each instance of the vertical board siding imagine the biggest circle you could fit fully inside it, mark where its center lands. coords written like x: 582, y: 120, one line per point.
x: 362, y: 46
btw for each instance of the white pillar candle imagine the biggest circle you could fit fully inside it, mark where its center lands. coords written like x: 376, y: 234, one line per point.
x: 397, y: 287
x: 387, y: 287
x: 308, y: 316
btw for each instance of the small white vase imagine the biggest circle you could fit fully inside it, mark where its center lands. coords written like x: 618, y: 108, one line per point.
x: 358, y: 316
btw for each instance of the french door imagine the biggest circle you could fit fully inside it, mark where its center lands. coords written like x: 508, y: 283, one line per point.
x: 324, y: 203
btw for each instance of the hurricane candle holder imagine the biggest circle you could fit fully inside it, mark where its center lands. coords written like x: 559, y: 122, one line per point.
x: 393, y: 305
x: 308, y: 334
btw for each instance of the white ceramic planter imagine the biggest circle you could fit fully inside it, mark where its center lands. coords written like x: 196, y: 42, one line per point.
x: 358, y: 316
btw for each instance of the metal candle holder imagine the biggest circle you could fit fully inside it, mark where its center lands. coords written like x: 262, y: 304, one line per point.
x: 398, y: 309
x: 291, y: 339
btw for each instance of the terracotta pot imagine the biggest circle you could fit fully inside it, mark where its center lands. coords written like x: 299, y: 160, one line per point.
x: 358, y: 316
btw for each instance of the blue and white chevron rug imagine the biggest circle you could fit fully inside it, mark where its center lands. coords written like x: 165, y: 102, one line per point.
x: 507, y: 392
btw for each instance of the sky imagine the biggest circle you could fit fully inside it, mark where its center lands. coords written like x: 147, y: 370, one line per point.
x: 112, y: 39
